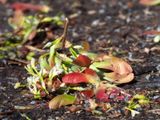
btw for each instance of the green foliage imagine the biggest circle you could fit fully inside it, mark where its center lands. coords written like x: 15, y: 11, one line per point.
x: 136, y: 102
x: 68, y: 68
x: 61, y: 100
x: 28, y: 25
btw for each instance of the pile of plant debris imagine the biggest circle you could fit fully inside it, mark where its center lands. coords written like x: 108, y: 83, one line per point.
x: 64, y: 77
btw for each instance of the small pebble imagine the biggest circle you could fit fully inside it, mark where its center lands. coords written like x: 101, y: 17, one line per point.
x: 95, y: 23
x: 146, y: 50
x: 91, y: 12
x: 32, y: 102
x: 101, y: 11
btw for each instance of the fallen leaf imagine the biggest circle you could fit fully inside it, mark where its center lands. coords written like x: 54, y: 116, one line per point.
x: 121, y: 71
x: 149, y: 2
x: 86, y: 46
x: 61, y: 100
x: 151, y: 32
x: 27, y: 6
x: 82, y: 61
x: 113, y: 63
x: 119, y: 79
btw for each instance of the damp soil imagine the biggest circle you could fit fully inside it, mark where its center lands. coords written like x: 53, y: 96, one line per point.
x: 110, y: 26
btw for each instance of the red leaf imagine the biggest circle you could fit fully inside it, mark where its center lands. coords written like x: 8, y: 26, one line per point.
x: 90, y: 72
x: 151, y: 32
x: 75, y: 78
x: 101, y: 95
x: 82, y: 60
x: 91, y: 76
x: 87, y: 93
x: 27, y: 6
x: 3, y: 1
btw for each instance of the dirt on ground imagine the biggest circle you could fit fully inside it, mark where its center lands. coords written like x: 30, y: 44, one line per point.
x: 110, y: 26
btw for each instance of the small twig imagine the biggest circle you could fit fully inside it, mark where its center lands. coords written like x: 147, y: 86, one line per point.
x: 17, y: 61
x: 7, y: 112
x: 34, y: 48
x: 64, y: 35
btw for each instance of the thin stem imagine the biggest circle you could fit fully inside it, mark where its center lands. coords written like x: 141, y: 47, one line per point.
x: 64, y: 35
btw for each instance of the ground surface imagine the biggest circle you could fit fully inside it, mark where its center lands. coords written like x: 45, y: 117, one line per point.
x: 110, y: 26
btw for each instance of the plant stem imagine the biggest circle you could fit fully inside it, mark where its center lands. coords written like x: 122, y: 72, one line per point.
x: 64, y: 35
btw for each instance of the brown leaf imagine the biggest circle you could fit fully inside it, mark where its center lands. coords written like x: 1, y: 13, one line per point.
x: 119, y: 79
x: 86, y: 46
x: 121, y: 70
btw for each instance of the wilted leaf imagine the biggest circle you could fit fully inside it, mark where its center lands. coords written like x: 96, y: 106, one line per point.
x: 115, y: 64
x: 27, y: 6
x: 151, y: 32
x: 86, y: 46
x: 61, y: 100
x: 82, y: 60
x: 121, y: 71
x: 119, y: 79
x: 149, y: 2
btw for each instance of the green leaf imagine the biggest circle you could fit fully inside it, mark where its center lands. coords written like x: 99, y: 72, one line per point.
x: 77, y: 88
x: 30, y: 55
x: 137, y: 101
x: 133, y: 112
x: 57, y: 69
x: 61, y: 100
x: 56, y: 44
x: 57, y: 20
x: 43, y: 62
x: 102, y: 64
x: 73, y: 52
x: 19, y: 85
